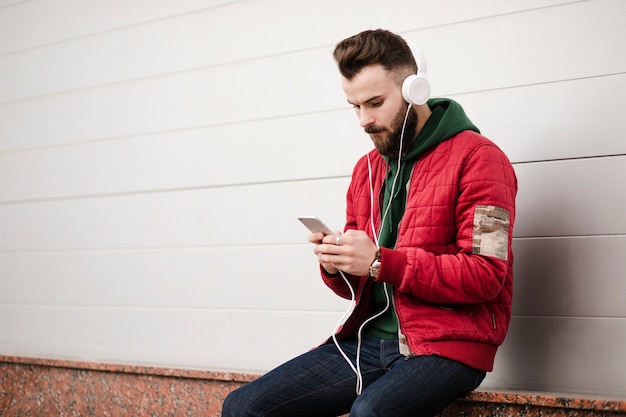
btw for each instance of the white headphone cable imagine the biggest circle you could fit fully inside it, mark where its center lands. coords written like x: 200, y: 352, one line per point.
x: 357, y: 369
x: 393, y: 184
x: 341, y: 321
x: 359, y: 379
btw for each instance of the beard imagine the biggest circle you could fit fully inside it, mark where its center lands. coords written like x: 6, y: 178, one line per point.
x: 387, y: 139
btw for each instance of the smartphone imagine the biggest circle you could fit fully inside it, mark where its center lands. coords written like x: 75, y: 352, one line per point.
x: 315, y: 225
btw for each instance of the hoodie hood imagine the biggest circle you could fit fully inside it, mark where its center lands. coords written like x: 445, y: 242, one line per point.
x: 447, y: 120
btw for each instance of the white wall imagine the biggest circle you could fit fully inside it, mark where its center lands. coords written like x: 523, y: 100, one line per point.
x: 154, y: 156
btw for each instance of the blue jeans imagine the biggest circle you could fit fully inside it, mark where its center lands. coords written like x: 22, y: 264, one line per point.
x: 320, y: 383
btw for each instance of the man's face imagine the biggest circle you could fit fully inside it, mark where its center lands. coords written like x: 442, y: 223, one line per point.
x: 378, y: 102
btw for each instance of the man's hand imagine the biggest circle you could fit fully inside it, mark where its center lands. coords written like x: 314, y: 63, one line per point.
x: 353, y: 252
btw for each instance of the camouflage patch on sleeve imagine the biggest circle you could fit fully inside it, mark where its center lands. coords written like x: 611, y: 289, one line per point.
x: 490, y: 236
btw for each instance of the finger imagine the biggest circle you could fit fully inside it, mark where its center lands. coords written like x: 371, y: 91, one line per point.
x: 316, y: 237
x: 331, y: 239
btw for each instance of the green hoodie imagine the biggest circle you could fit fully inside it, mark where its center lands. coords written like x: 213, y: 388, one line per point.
x: 447, y: 120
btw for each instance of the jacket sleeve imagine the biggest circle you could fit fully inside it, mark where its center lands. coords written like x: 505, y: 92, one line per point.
x: 338, y: 285
x: 471, y: 266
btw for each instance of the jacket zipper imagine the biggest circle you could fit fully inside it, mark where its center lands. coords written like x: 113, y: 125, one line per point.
x: 402, y: 338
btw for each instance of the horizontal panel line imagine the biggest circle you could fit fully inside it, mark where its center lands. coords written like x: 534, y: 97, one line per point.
x: 556, y: 317
x: 591, y: 235
x: 578, y: 158
x: 497, y: 15
x: 231, y: 2
x: 14, y: 4
x: 147, y: 249
x: 240, y: 122
x: 205, y: 67
x: 132, y: 80
x: 547, y: 82
x: 202, y: 9
x: 257, y: 58
x: 165, y: 190
x: 71, y: 197
x: 163, y: 308
x: 110, y: 30
x: 59, y: 306
x: 183, y: 129
x: 88, y: 142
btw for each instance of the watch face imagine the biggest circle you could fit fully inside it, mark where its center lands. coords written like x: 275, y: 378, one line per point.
x: 375, y: 269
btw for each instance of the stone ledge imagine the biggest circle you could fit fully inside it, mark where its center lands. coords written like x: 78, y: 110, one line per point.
x: 36, y: 386
x: 519, y: 403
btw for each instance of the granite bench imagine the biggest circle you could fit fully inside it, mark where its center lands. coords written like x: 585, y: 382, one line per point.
x: 35, y: 386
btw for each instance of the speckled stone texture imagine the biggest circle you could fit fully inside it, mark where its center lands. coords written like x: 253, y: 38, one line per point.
x: 510, y: 404
x: 45, y: 387
x: 40, y: 387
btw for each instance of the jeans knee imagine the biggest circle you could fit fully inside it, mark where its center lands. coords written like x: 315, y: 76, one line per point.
x: 229, y: 406
x: 364, y: 408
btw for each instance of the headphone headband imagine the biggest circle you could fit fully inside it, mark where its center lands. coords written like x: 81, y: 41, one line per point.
x: 416, y: 88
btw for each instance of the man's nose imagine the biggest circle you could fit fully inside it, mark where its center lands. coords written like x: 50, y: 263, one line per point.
x: 366, y: 118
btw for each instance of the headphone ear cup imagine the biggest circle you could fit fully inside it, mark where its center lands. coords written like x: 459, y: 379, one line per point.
x: 416, y: 89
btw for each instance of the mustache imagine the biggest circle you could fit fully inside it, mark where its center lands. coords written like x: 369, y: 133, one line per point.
x: 374, y: 129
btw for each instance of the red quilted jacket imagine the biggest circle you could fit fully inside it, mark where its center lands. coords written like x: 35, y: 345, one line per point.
x: 452, y: 267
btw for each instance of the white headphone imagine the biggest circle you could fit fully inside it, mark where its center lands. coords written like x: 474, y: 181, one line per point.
x: 415, y: 87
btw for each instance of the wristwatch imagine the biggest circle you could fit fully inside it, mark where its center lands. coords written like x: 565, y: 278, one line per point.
x: 375, y: 266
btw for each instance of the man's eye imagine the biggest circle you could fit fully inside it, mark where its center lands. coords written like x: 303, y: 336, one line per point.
x: 377, y: 104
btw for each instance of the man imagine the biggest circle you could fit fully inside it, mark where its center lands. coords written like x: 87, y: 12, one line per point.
x: 426, y: 256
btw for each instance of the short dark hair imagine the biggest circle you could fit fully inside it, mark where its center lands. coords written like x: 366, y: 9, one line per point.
x: 373, y: 47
